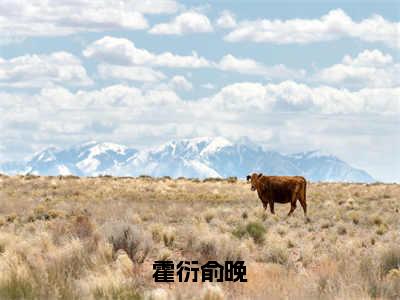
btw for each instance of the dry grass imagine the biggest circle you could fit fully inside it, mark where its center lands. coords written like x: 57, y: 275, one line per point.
x: 97, y: 238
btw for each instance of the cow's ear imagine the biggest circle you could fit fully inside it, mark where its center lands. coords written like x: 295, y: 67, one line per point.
x: 248, y: 177
x: 259, y: 175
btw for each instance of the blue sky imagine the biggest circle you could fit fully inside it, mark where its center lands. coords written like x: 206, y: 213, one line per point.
x: 290, y: 75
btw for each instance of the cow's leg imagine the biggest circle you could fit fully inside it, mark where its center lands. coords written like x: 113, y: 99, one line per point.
x: 302, y: 198
x: 265, y: 204
x: 271, y: 207
x: 292, y: 208
x: 304, y: 205
x: 293, y: 204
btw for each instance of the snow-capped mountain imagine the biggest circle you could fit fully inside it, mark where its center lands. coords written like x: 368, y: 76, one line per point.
x: 319, y: 166
x: 187, y: 157
x: 88, y: 159
x: 198, y: 157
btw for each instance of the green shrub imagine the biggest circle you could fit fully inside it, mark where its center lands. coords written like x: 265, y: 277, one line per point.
x: 232, y: 179
x: 256, y: 230
x: 213, y: 179
x: 239, y: 232
x: 168, y: 238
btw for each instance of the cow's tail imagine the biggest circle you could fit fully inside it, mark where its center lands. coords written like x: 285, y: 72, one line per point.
x: 304, y: 191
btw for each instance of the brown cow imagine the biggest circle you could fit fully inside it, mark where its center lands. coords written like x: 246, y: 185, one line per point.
x: 280, y: 189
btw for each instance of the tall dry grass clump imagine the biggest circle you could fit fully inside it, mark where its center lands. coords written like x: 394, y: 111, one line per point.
x: 129, y: 238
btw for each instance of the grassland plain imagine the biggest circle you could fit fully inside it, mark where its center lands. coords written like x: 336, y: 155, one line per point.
x: 97, y: 238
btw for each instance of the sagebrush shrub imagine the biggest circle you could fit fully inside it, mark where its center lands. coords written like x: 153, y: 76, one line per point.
x: 136, y: 243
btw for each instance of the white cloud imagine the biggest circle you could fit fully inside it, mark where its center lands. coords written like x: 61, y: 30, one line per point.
x: 168, y: 59
x: 292, y: 96
x: 43, y: 70
x: 370, y: 68
x: 369, y: 58
x: 187, y: 22
x: 334, y: 25
x: 154, y: 6
x: 242, y: 65
x: 237, y: 99
x: 226, y: 20
x: 123, y: 51
x: 252, y: 67
x: 288, y: 116
x: 115, y: 96
x: 180, y: 82
x: 239, y: 102
x: 29, y: 18
x: 133, y: 73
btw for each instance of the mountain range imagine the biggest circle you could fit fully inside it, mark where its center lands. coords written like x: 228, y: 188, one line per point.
x: 194, y: 158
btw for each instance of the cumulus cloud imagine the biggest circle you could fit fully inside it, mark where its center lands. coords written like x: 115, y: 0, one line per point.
x: 43, y: 70
x: 239, y: 99
x: 291, y: 96
x: 286, y: 115
x: 226, y: 20
x: 334, y: 25
x: 154, y: 6
x: 131, y: 73
x: 369, y: 58
x: 250, y: 66
x: 28, y: 18
x: 370, y: 68
x: 235, y: 101
x: 180, y: 82
x: 244, y: 65
x: 123, y: 51
x: 119, y: 96
x: 187, y: 22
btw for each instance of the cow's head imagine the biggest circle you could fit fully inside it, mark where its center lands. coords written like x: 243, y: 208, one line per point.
x: 254, y: 180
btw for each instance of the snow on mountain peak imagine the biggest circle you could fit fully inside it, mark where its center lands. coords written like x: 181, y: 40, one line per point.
x: 88, y: 165
x: 96, y: 149
x: 194, y: 146
x: 104, y: 147
x: 312, y: 154
x: 215, y: 145
x: 202, y: 169
x: 46, y: 155
x: 92, y: 160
